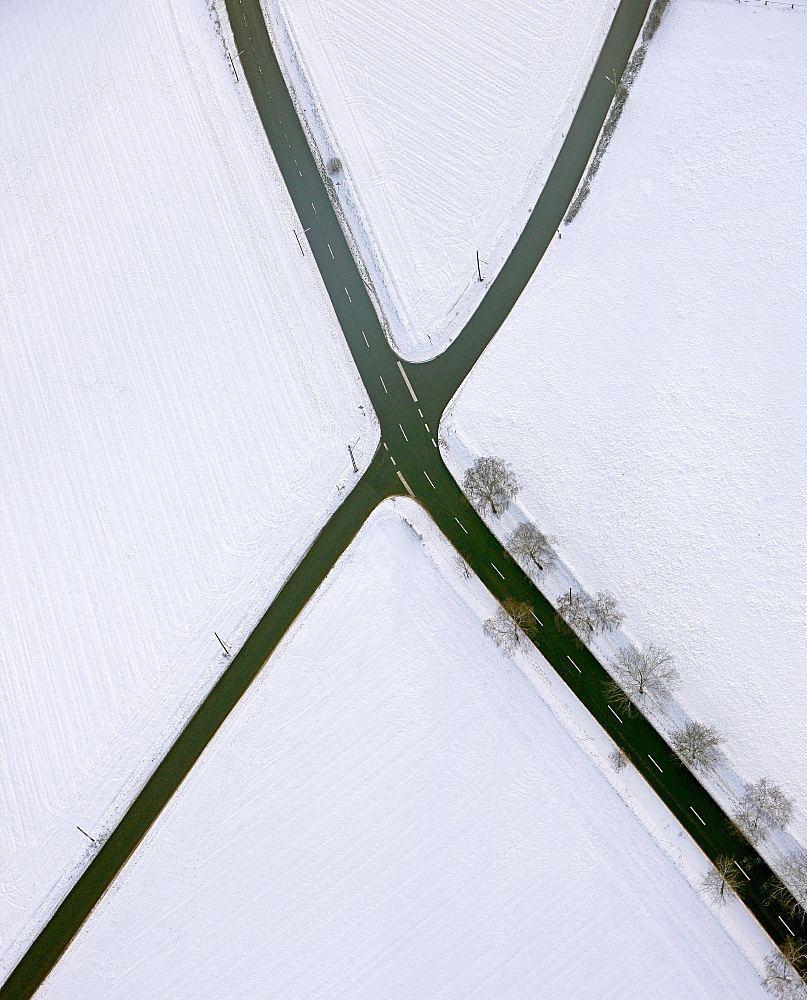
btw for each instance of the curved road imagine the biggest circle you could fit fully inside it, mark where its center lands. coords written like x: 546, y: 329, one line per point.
x: 407, y: 460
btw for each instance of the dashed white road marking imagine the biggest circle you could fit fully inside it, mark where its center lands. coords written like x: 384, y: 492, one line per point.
x: 743, y: 870
x: 656, y: 764
x: 406, y: 485
x: 365, y: 337
x: 434, y: 442
x: 408, y: 383
x: 613, y: 712
x: 696, y: 813
x: 573, y: 664
x: 346, y: 291
x: 536, y: 618
x: 382, y: 382
x: 497, y: 570
x: 426, y: 474
x: 403, y: 432
x: 461, y: 525
x: 788, y: 929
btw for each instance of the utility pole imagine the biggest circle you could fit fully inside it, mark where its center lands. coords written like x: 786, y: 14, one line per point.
x: 478, y: 267
x: 85, y: 834
x: 227, y: 651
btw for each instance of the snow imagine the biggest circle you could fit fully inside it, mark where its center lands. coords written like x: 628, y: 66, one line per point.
x: 177, y: 405
x: 393, y: 810
x: 648, y: 387
x: 447, y: 119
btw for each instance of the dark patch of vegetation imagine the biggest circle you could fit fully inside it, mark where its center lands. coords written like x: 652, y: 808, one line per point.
x: 617, y: 106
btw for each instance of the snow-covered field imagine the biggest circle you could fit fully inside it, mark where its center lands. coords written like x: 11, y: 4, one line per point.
x: 649, y: 385
x: 177, y: 402
x: 447, y: 118
x: 393, y: 810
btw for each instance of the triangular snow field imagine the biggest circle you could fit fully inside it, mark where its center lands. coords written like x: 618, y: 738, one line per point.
x: 393, y: 811
x: 446, y: 119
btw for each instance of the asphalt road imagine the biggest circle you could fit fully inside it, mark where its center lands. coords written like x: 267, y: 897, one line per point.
x: 407, y: 461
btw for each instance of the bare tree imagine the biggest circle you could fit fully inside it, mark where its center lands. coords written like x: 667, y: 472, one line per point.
x: 607, y: 616
x: 530, y: 543
x: 575, y: 609
x: 490, y: 485
x: 784, y: 970
x: 698, y: 745
x: 509, y: 623
x: 790, y: 891
x: 588, y: 615
x: 641, y: 674
x: 618, y: 758
x: 463, y: 567
x: 763, y: 807
x: 722, y: 879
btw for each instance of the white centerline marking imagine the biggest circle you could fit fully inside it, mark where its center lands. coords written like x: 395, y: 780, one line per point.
x: 743, y: 870
x: 420, y: 412
x: 403, y: 432
x: 613, y: 712
x: 408, y: 383
x: 426, y: 474
x: 347, y: 293
x: 696, y: 813
x: 365, y: 337
x: 497, y: 570
x: 656, y: 764
x: 427, y: 427
x: 406, y: 485
x: 461, y: 525
x: 392, y: 460
x: 789, y: 930
x: 434, y: 442
x: 382, y: 382
x: 536, y: 618
x: 385, y: 445
x: 573, y: 664
x: 328, y: 245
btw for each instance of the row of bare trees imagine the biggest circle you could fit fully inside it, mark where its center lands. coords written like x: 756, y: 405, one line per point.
x: 642, y: 677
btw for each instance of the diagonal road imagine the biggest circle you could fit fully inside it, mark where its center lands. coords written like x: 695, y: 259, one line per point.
x: 409, y: 401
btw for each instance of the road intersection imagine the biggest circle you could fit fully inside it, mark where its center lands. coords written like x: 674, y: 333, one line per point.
x: 409, y: 400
